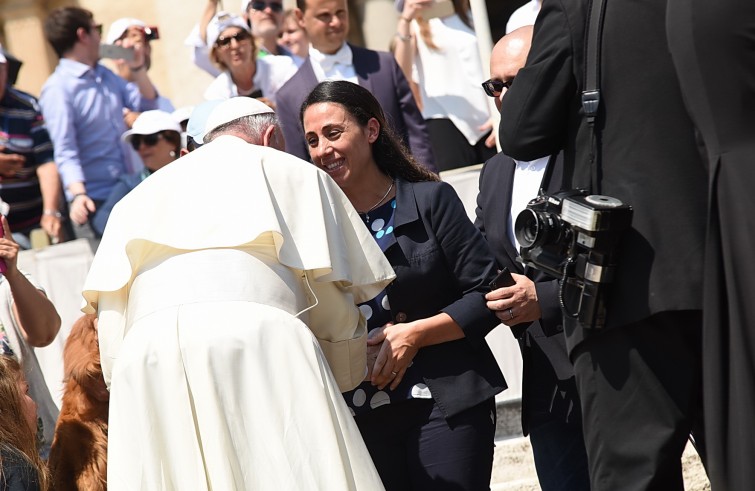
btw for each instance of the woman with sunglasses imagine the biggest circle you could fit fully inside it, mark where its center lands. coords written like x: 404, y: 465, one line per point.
x: 156, y: 137
x: 243, y: 72
x: 427, y: 411
x: 429, y: 40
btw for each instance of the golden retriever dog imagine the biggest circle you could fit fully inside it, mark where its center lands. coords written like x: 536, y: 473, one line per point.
x: 78, y: 458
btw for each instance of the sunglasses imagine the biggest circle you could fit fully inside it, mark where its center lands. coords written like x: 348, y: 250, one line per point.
x: 274, y: 6
x: 148, y: 140
x: 225, y: 41
x: 493, y: 88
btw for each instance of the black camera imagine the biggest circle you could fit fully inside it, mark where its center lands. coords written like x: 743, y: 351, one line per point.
x: 573, y: 236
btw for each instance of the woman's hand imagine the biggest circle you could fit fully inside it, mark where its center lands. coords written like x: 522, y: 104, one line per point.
x: 129, y: 117
x: 8, y: 249
x: 52, y: 225
x: 81, y: 206
x: 515, y: 304
x: 490, y: 140
x: 398, y: 348
x: 414, y: 8
x: 372, y: 354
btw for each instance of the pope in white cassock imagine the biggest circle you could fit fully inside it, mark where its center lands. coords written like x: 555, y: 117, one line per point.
x: 225, y: 286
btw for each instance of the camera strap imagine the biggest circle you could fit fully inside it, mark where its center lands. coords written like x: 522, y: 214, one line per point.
x: 591, y: 92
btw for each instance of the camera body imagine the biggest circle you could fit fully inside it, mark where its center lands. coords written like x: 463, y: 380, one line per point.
x: 573, y: 236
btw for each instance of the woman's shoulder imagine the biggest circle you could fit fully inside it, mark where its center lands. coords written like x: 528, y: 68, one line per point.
x: 18, y: 473
x: 429, y: 192
x: 430, y: 187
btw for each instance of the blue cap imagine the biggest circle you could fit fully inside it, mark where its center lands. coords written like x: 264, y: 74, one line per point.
x: 198, y: 119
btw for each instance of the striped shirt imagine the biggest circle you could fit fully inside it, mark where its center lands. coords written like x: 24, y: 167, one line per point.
x: 22, y: 131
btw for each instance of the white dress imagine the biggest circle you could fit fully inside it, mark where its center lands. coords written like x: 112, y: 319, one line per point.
x: 213, y: 350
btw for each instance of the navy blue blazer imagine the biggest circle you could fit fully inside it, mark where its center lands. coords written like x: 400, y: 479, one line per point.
x: 492, y: 219
x: 377, y: 72
x: 443, y: 264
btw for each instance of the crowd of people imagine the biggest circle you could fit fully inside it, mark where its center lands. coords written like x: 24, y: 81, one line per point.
x: 320, y: 321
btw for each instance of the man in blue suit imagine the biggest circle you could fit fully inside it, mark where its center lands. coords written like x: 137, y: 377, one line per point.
x: 331, y: 58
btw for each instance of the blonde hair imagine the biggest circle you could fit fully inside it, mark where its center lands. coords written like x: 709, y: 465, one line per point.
x: 15, y: 434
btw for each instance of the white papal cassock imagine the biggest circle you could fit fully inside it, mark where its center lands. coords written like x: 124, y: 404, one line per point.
x: 226, y: 286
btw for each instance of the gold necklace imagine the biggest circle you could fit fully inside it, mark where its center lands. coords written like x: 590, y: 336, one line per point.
x: 367, y: 213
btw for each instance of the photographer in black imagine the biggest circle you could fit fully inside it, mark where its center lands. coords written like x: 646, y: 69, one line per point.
x: 638, y: 376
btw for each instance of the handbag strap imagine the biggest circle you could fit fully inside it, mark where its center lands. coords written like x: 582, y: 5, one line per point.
x: 591, y: 92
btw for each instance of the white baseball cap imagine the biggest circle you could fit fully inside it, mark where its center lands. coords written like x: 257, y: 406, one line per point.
x: 221, y: 22
x: 151, y: 122
x: 119, y: 27
x: 235, y: 108
x: 182, y: 114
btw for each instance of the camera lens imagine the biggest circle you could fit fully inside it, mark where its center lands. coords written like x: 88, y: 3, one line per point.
x: 527, y: 227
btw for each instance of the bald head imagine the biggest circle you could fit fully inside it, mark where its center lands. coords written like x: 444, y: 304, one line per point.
x: 509, y: 55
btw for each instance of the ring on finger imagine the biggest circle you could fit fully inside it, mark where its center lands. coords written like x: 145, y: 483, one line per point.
x: 511, y: 313
x: 394, y: 373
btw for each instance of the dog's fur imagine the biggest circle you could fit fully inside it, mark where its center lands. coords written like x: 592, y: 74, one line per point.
x: 78, y: 458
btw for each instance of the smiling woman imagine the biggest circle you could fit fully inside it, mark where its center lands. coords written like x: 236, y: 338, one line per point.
x: 243, y: 73
x: 431, y: 369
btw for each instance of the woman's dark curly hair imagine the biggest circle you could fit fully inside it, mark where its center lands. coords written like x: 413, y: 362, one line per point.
x: 391, y: 155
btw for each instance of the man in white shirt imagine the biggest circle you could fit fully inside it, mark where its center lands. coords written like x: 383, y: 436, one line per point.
x: 524, y: 16
x: 331, y: 58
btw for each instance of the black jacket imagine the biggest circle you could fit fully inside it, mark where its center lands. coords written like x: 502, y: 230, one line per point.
x: 493, y: 206
x: 649, y: 157
x: 443, y: 264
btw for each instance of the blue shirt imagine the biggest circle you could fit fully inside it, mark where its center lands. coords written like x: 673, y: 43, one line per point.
x: 83, y: 110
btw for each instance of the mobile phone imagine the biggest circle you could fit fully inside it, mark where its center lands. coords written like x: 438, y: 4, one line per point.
x: 151, y: 33
x: 115, y: 52
x: 439, y: 8
x: 502, y: 279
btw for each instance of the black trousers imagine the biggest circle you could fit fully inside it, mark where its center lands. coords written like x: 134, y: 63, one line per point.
x: 415, y: 448
x: 641, y: 392
x: 451, y: 149
x: 553, y: 418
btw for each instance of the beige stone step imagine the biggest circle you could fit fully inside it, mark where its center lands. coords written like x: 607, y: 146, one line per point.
x: 514, y: 468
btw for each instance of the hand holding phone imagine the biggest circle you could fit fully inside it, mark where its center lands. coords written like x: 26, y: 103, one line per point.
x: 438, y: 9
x: 502, y: 279
x: 115, y: 52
